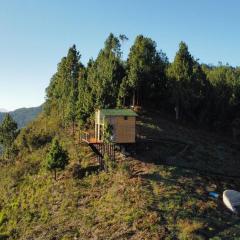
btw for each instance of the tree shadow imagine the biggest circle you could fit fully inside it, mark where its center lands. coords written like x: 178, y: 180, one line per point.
x: 163, y: 142
x: 78, y: 172
x: 183, y: 195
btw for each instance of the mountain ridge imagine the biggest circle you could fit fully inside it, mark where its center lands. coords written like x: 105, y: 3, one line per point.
x: 23, y: 115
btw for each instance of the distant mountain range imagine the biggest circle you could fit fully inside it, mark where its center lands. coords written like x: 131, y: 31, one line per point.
x: 22, y: 115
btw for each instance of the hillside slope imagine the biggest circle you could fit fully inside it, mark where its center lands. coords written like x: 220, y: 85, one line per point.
x: 23, y: 115
x: 141, y: 198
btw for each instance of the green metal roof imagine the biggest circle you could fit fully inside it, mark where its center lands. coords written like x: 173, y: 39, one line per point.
x: 118, y: 112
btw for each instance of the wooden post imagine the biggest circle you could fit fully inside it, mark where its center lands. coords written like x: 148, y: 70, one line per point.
x: 102, y: 152
x: 95, y: 129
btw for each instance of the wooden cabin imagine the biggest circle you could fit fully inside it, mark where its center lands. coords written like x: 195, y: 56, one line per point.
x: 122, y: 121
x: 123, y: 130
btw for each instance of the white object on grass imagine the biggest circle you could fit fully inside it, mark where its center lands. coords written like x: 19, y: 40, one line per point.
x: 231, y: 199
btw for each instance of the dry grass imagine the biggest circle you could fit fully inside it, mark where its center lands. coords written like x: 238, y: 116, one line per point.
x: 139, y: 199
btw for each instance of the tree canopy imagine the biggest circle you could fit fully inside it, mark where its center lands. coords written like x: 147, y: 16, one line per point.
x: 192, y: 91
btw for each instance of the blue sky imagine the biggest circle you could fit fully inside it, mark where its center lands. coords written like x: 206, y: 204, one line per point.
x: 35, y: 35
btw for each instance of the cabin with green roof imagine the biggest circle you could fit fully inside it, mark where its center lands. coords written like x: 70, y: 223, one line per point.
x: 122, y: 122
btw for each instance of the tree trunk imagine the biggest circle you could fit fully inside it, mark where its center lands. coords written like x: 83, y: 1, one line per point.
x: 138, y: 97
x: 177, y: 110
x: 133, y: 99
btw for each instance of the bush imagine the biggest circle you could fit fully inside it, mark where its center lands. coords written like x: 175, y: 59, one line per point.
x: 39, y: 140
x: 3, y: 218
x: 125, y: 169
x: 109, y: 164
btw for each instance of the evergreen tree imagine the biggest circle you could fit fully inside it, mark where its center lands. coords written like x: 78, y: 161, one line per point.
x: 123, y: 38
x: 57, y: 157
x: 112, y: 45
x: 105, y: 75
x: 181, y: 73
x: 64, y: 81
x: 224, y: 97
x: 72, y: 109
x: 85, y: 103
x: 198, y: 93
x: 55, y: 97
x: 146, y: 69
x: 8, y: 133
x: 123, y: 93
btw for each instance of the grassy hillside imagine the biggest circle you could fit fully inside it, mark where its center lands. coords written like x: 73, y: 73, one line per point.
x: 23, y: 115
x: 141, y: 198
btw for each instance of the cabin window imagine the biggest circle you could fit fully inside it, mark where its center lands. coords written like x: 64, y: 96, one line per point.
x: 125, y: 118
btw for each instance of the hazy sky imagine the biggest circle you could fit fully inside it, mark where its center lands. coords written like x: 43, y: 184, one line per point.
x: 35, y: 35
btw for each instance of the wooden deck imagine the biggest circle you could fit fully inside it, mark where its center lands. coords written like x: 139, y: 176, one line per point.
x: 89, y: 137
x: 98, y: 147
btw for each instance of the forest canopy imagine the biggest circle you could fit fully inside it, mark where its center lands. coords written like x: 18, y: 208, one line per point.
x: 192, y: 91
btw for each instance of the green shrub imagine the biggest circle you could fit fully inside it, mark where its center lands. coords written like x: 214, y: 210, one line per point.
x: 109, y: 164
x: 39, y: 140
x: 3, y: 218
x: 57, y: 157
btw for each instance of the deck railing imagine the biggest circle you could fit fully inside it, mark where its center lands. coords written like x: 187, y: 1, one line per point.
x: 88, y: 137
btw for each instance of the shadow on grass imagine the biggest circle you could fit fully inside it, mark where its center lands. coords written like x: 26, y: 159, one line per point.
x: 163, y: 142
x: 79, y: 172
x: 181, y: 195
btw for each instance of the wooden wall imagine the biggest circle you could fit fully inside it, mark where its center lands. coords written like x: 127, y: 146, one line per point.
x: 124, y: 130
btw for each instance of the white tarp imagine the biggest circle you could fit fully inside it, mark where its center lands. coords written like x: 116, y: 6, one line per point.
x: 231, y: 199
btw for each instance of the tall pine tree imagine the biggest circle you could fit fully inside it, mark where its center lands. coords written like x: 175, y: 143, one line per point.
x: 145, y: 70
x: 181, y: 73
x: 105, y: 74
x: 62, y: 93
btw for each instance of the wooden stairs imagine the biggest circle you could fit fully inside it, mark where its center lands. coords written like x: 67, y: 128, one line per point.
x: 100, y: 148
